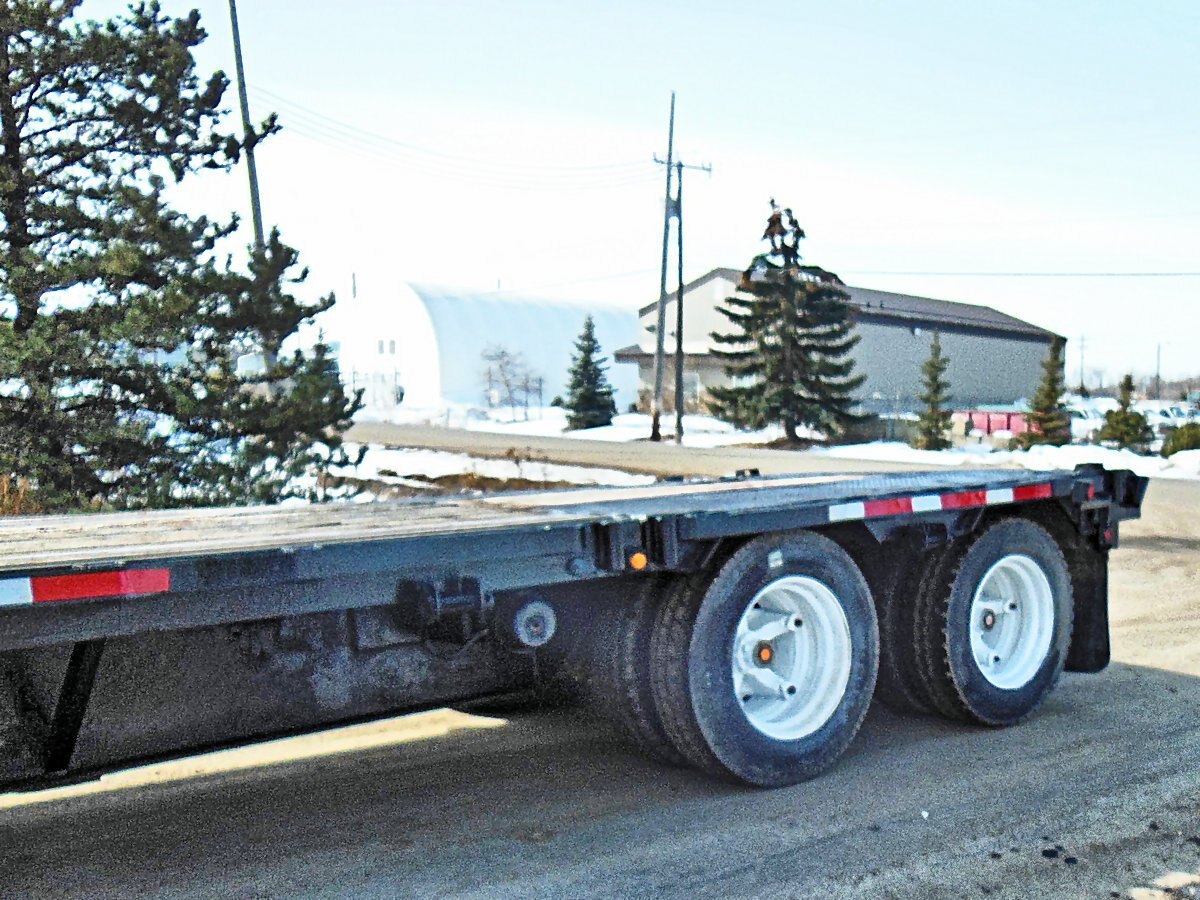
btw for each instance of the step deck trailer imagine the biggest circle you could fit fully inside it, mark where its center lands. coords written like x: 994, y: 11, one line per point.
x: 740, y: 626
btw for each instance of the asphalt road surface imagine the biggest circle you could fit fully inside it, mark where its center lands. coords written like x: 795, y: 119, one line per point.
x: 1097, y: 796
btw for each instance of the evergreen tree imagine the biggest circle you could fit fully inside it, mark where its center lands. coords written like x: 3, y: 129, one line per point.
x: 1125, y: 425
x: 934, y: 422
x: 120, y: 326
x: 589, y: 400
x: 789, y: 352
x: 1185, y: 437
x: 1050, y: 421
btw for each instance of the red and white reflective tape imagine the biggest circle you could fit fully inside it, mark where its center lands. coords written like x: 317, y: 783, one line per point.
x: 901, y: 506
x: 89, y: 586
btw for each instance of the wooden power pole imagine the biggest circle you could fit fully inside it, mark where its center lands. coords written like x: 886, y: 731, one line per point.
x: 249, y: 137
x: 672, y: 209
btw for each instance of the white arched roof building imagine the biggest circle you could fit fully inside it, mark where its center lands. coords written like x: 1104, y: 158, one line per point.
x: 426, y: 343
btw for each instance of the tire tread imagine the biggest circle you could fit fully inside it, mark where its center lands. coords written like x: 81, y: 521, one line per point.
x: 622, y: 673
x: 945, y: 695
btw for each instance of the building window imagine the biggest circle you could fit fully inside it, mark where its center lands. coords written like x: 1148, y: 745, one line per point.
x: 381, y: 348
x: 392, y: 347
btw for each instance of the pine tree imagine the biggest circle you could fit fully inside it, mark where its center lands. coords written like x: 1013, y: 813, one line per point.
x: 934, y: 422
x: 789, y: 352
x: 120, y: 326
x: 1049, y: 420
x: 1125, y: 425
x: 589, y: 400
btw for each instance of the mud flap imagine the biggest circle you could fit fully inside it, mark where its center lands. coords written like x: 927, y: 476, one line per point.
x: 1090, y: 648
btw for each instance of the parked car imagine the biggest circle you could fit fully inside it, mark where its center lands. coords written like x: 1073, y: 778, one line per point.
x: 1086, y: 423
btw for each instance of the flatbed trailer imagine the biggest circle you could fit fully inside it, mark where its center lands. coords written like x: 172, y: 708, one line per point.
x: 740, y: 626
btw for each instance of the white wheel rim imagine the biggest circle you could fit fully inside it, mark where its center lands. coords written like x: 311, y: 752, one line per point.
x: 794, y: 689
x: 1012, y: 621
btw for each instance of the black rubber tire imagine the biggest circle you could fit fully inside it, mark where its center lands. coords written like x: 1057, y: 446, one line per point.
x: 951, y: 678
x: 900, y: 685
x: 620, y: 682
x: 690, y: 664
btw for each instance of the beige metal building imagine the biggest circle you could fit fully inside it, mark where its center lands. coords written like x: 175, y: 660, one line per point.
x: 994, y: 358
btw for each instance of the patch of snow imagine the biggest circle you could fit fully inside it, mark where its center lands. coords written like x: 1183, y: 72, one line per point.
x: 698, y: 431
x: 407, y: 463
x: 551, y: 421
x: 1185, y: 464
x: 547, y: 421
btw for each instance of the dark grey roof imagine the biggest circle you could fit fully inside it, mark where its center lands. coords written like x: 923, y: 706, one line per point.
x: 926, y: 309
x: 889, y: 305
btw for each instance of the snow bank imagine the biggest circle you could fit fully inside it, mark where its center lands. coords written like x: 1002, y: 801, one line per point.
x: 1185, y: 464
x: 548, y: 420
x: 698, y: 431
x: 551, y: 421
x: 436, y: 463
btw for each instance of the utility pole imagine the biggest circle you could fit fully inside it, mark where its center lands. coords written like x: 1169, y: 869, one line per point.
x: 679, y: 305
x: 672, y: 209
x: 1158, y: 373
x: 679, y: 167
x: 248, y: 134
x: 1082, y: 386
x: 249, y: 139
x: 660, y: 334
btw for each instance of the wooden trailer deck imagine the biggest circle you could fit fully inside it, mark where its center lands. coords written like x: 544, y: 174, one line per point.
x: 114, y: 539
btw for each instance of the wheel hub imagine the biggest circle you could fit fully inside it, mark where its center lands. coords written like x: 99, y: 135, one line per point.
x: 764, y: 654
x: 1012, y: 621
x: 791, y: 657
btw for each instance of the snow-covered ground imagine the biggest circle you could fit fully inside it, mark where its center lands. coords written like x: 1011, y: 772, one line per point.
x: 384, y: 464
x: 698, y: 431
x: 705, y: 431
x: 550, y: 421
x: 1185, y: 464
x: 547, y: 420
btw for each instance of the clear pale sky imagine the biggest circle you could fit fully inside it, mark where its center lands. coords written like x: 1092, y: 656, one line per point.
x: 484, y: 143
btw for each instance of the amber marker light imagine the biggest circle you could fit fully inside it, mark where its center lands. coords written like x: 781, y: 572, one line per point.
x: 638, y: 561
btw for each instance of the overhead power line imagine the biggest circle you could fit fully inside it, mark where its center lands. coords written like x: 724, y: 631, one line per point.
x: 516, y: 175
x: 430, y: 151
x: 491, y: 178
